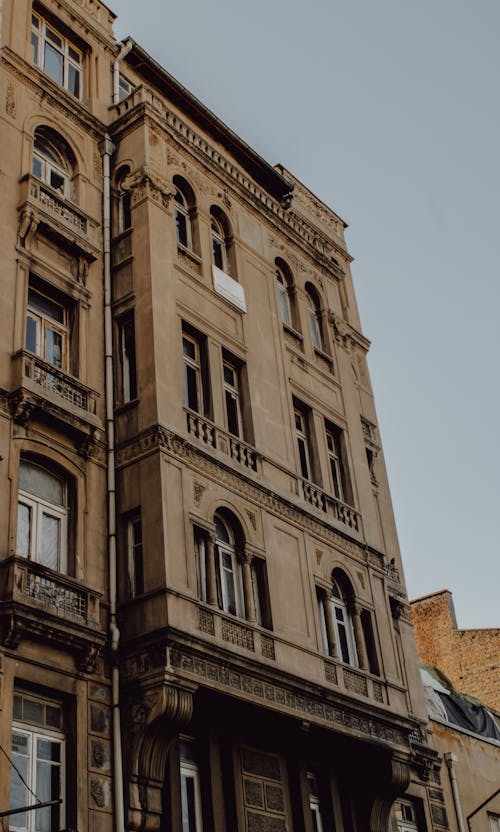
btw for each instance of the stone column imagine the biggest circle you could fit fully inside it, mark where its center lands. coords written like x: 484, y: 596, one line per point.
x: 210, y: 570
x: 355, y: 611
x: 245, y: 560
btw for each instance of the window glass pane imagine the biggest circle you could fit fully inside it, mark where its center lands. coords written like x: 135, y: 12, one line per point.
x: 20, y: 746
x: 36, y: 480
x: 74, y: 55
x: 229, y: 593
x: 74, y: 80
x: 232, y: 414
x: 18, y: 706
x: 50, y: 35
x: 19, y: 795
x: 218, y: 254
x: 188, y: 800
x: 181, y: 228
x: 189, y: 348
x: 48, y: 787
x: 37, y: 167
x: 46, y: 306
x: 304, y: 463
x: 284, y: 305
x: 48, y: 750
x: 220, y: 531
x: 56, y: 181
x: 53, y: 347
x: 32, y: 333
x: 229, y: 375
x: 35, y: 22
x: 33, y: 711
x: 35, y: 47
x: 50, y: 549
x: 52, y: 716
x: 53, y: 63
x: 190, y: 378
x: 23, y: 530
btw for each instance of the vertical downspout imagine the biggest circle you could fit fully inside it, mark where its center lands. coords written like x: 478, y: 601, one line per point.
x: 107, y: 148
x: 124, y: 50
x: 449, y: 759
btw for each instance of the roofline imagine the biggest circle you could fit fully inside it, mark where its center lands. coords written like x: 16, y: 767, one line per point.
x: 431, y: 595
x: 260, y: 170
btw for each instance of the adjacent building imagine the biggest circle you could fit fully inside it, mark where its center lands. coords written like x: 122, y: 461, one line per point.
x: 203, y: 616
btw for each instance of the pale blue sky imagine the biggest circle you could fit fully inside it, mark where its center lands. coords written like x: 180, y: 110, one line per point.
x: 389, y: 111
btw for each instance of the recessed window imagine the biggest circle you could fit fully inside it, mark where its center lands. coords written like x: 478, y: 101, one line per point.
x: 56, y: 56
x: 124, y: 88
x: 135, y: 555
x: 192, y: 820
x: 405, y: 816
x: 343, y: 626
x: 42, y: 516
x: 221, y: 241
x: 314, y: 802
x: 232, y: 395
x: 196, y: 377
x: 126, y: 337
x: 124, y: 203
x: 230, y: 589
x: 47, y: 329
x: 52, y: 161
x: 38, y: 759
x: 303, y: 441
x: 313, y: 309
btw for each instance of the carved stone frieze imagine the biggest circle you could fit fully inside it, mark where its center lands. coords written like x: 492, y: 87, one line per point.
x: 320, y: 709
x: 147, y: 184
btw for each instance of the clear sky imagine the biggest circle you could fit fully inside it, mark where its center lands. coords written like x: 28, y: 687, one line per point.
x: 389, y: 111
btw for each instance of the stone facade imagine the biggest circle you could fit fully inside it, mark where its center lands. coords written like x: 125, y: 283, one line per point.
x: 196, y: 536
x: 470, y: 658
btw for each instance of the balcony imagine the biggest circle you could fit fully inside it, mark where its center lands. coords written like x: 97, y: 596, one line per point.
x: 37, y: 603
x: 213, y: 437
x: 41, y: 205
x: 40, y: 388
x: 331, y: 506
x: 355, y: 681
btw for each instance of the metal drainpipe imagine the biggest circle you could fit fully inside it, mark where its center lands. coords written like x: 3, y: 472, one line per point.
x: 107, y: 148
x: 124, y: 50
x: 450, y: 759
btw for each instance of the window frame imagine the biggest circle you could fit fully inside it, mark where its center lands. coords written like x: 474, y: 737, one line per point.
x: 342, y: 616
x: 39, y: 732
x: 44, y: 322
x: 194, y: 365
x: 313, y: 310
x: 190, y: 770
x: 284, y: 300
x: 335, y: 464
x: 39, y: 32
x: 233, y: 393
x: 405, y: 824
x: 228, y: 548
x: 38, y: 508
x: 135, y: 554
x: 303, y: 440
x: 128, y: 360
x: 182, y: 219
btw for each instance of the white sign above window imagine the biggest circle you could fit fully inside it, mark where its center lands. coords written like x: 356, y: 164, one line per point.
x: 229, y: 289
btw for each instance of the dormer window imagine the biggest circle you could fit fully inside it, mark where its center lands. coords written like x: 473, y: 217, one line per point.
x: 56, y: 56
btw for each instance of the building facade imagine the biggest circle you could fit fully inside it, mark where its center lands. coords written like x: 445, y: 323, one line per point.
x: 470, y: 658
x: 203, y: 617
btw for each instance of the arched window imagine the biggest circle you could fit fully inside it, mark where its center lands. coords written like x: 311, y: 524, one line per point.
x: 284, y: 281
x: 342, y: 620
x: 184, y: 210
x: 229, y: 582
x: 53, y: 161
x: 313, y: 307
x: 221, y: 240
x: 42, y: 516
x: 124, y: 218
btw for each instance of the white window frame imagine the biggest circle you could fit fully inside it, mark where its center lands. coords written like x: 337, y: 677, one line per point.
x: 232, y: 573
x: 232, y: 389
x: 494, y: 821
x: 285, y: 305
x: 181, y: 209
x: 335, y: 462
x: 339, y: 608
x: 124, y: 88
x: 44, y: 322
x: 218, y: 237
x: 314, y: 804
x: 313, y: 315
x: 193, y: 364
x: 35, y: 733
x: 38, y: 508
x: 302, y: 434
x: 189, y: 770
x: 406, y: 824
x: 71, y: 56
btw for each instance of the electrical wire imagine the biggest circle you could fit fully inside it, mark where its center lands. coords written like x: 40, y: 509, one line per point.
x: 2, y: 749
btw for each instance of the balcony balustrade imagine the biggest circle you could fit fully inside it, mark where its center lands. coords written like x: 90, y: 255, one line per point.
x: 209, y: 434
x: 331, y: 506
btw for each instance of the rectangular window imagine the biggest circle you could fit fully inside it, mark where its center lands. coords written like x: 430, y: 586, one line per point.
x: 124, y: 88
x: 232, y: 395
x: 37, y: 764
x: 47, y: 329
x: 135, y: 555
x: 56, y: 56
x: 200, y: 547
x: 127, y: 356
x: 42, y: 517
x: 190, y: 786
x: 314, y: 803
x: 405, y: 816
x: 196, y: 386
x: 337, y: 461
x: 303, y: 441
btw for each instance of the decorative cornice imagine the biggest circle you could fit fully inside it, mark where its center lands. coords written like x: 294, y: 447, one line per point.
x: 346, y: 335
x: 160, y: 438
x: 150, y: 109
x: 146, y: 183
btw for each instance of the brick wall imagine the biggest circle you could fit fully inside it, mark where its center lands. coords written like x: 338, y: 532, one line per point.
x: 470, y: 658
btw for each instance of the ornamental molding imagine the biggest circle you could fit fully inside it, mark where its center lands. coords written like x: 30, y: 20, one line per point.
x: 346, y: 335
x: 150, y: 109
x: 97, y: 11
x: 147, y: 184
x: 52, y: 94
x: 322, y: 707
x: 159, y: 438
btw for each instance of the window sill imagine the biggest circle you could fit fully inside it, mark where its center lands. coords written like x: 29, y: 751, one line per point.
x: 324, y: 357
x: 125, y: 406
x: 188, y: 252
x: 294, y: 333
